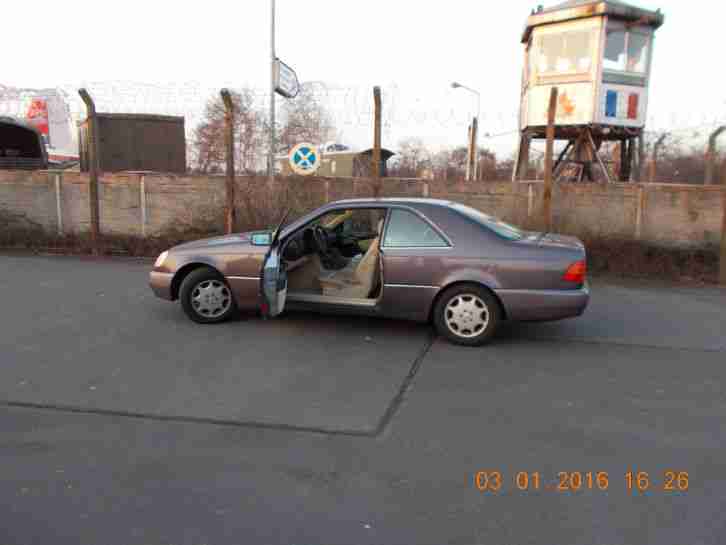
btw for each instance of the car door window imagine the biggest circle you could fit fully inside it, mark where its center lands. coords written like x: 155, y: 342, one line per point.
x: 406, y: 230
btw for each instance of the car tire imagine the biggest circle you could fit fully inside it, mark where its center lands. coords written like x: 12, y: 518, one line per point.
x: 467, y: 315
x: 206, y: 297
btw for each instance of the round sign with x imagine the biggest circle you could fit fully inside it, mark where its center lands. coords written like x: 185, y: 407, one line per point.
x: 305, y: 159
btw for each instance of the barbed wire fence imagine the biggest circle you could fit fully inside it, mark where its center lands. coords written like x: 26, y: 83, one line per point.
x: 433, y: 116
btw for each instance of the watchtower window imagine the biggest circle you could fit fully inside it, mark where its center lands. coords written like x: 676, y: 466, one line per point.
x: 565, y: 53
x: 626, y: 51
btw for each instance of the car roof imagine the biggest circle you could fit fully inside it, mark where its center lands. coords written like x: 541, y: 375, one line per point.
x: 394, y: 200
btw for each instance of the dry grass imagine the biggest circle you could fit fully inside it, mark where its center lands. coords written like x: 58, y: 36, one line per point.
x: 629, y: 258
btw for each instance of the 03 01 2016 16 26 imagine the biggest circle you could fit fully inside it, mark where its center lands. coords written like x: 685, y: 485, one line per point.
x: 575, y: 481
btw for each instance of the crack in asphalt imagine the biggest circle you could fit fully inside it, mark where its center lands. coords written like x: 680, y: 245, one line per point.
x: 181, y: 419
x: 398, y: 399
x: 383, y: 423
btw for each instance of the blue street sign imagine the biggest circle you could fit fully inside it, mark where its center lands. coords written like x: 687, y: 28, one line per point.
x: 305, y: 159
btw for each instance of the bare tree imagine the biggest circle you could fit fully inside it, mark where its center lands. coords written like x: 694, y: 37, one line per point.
x: 207, y: 148
x: 306, y: 118
x: 412, y: 159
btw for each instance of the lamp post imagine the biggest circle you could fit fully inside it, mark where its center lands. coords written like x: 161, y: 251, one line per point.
x: 273, y: 59
x: 457, y: 85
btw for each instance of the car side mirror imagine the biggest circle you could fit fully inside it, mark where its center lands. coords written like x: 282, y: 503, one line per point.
x: 261, y: 239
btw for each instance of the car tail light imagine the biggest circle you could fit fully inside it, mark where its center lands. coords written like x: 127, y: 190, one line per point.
x: 576, y: 273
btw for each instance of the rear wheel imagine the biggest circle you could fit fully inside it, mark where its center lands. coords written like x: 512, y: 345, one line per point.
x: 206, y: 298
x: 467, y: 315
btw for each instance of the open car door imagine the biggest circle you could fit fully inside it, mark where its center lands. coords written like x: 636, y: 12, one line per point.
x: 273, y: 283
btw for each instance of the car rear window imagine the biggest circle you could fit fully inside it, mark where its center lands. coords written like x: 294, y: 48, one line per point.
x: 504, y: 230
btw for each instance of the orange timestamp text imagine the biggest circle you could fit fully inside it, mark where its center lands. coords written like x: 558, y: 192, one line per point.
x: 633, y: 481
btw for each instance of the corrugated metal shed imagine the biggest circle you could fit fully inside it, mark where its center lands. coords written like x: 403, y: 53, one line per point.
x: 137, y: 142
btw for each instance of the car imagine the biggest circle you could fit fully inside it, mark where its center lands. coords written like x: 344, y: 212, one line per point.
x: 414, y: 259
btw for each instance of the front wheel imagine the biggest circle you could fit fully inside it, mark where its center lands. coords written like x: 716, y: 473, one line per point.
x: 206, y: 298
x: 467, y: 315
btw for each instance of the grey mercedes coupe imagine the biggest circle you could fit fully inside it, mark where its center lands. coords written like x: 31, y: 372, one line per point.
x: 414, y: 259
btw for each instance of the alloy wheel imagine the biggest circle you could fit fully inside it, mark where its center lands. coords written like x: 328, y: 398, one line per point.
x: 211, y: 298
x: 466, y: 315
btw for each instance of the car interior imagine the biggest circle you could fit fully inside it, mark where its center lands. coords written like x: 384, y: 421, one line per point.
x: 336, y: 257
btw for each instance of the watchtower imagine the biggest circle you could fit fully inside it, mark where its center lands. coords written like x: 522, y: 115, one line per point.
x: 598, y: 53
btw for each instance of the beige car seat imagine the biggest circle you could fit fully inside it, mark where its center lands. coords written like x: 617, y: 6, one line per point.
x: 358, y: 281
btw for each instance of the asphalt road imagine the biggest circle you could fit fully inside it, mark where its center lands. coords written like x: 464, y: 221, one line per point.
x: 124, y: 424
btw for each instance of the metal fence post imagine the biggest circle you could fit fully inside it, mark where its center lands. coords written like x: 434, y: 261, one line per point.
x: 654, y: 158
x: 142, y: 194
x: 230, y: 215
x: 640, y: 213
x: 711, y: 155
x: 547, y: 199
x: 93, y: 164
x: 376, y: 160
x: 58, y: 203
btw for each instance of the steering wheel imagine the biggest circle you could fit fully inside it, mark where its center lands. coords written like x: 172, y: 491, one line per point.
x: 321, y: 239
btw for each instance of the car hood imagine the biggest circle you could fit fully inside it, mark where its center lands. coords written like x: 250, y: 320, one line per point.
x: 217, y: 242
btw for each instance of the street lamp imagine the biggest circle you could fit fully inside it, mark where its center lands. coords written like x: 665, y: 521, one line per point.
x: 457, y: 85
x: 271, y: 156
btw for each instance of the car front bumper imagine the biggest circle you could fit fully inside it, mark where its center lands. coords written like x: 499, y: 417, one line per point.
x: 544, y: 305
x: 160, y: 283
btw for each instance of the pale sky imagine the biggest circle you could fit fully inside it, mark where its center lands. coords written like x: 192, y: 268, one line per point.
x: 167, y: 57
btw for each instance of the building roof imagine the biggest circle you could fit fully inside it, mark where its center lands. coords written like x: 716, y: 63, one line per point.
x: 581, y: 9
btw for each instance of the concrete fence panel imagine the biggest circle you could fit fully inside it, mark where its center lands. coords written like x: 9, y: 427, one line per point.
x: 663, y: 214
x: 682, y: 215
x: 30, y: 197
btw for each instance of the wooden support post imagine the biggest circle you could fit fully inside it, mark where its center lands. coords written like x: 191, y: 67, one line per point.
x: 627, y: 167
x: 722, y: 275
x: 595, y: 151
x: 521, y: 164
x: 549, y: 150
x: 530, y: 200
x: 230, y: 208
x: 624, y: 171
x: 377, y: 123
x: 617, y: 156
x: 93, y: 164
x: 563, y: 157
x: 640, y: 158
x: 711, y: 155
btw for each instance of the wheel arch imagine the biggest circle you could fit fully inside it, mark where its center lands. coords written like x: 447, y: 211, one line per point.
x: 185, y: 271
x: 456, y: 283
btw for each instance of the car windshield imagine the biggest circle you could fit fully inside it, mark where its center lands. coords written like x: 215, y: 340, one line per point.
x: 504, y: 230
